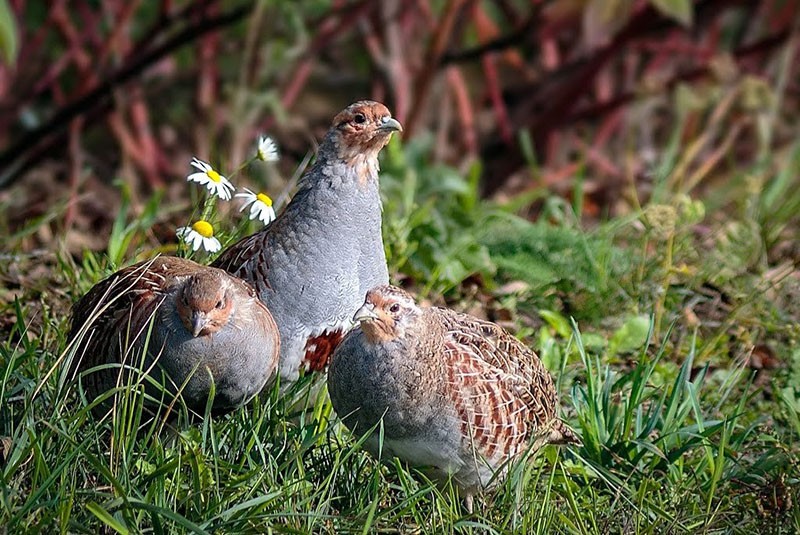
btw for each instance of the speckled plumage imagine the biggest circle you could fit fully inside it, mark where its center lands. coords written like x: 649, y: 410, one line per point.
x: 457, y: 394
x: 313, y: 264
x: 192, y: 319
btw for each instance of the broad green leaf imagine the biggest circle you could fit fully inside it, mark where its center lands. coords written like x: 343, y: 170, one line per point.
x: 558, y: 322
x: 8, y: 33
x: 680, y: 10
x: 631, y: 336
x: 105, y: 516
x: 593, y: 341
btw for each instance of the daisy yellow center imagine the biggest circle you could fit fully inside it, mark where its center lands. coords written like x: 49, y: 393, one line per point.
x: 204, y: 228
x: 264, y: 198
x: 213, y: 175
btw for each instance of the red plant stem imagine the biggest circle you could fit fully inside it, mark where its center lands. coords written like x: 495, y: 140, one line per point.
x: 331, y: 26
x: 436, y: 48
x: 741, y: 53
x: 561, y: 96
x: 465, y: 113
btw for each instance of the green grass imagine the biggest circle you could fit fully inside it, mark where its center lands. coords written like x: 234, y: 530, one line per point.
x: 680, y: 434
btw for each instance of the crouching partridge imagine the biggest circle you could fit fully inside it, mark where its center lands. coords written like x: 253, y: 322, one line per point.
x: 196, y: 324
x: 456, y: 394
x: 313, y: 264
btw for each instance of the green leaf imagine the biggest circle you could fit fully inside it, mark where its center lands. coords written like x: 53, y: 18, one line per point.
x: 631, y: 336
x: 680, y: 10
x: 558, y: 322
x: 105, y: 516
x: 593, y: 341
x: 8, y: 33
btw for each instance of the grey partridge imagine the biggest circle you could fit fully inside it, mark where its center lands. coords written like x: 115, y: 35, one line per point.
x: 313, y: 264
x: 198, y: 325
x: 456, y: 394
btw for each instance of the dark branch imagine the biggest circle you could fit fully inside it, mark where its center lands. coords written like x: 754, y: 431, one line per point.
x: 42, y: 139
x: 501, y: 43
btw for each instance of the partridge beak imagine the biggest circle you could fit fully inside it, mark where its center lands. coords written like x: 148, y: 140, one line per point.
x: 199, y: 321
x: 390, y: 124
x: 365, y: 313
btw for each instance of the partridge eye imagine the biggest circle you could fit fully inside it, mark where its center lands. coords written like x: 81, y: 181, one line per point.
x: 359, y: 118
x: 394, y: 309
x: 220, y: 304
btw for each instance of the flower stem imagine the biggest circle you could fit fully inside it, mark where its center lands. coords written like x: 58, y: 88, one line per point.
x: 245, y: 164
x: 208, y: 207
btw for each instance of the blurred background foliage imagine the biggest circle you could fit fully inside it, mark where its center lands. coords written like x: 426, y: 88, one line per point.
x: 598, y: 155
x: 597, y: 158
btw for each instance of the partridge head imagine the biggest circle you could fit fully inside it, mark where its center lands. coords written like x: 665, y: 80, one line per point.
x: 204, y: 303
x: 362, y: 129
x: 387, y: 314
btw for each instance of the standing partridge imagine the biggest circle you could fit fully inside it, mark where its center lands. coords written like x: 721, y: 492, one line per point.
x: 313, y: 264
x: 195, y: 323
x: 456, y: 394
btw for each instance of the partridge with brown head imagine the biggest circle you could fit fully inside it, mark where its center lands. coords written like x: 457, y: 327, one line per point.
x: 443, y: 390
x: 190, y: 325
x: 313, y: 264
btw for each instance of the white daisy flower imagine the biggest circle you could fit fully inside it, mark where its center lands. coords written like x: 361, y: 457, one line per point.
x: 267, y: 150
x: 200, y: 233
x: 260, y: 206
x: 211, y: 179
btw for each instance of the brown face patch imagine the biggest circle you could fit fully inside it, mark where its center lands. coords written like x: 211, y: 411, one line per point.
x: 359, y: 128
x: 204, y: 290
x: 380, y: 329
x: 205, y: 293
x: 320, y: 348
